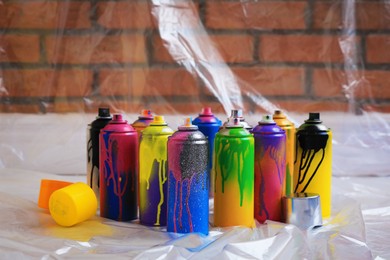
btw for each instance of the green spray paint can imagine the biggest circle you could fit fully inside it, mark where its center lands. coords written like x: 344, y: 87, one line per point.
x: 234, y: 176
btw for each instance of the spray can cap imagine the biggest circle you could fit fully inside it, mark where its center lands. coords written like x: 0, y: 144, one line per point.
x: 236, y: 113
x: 267, y: 119
x: 158, y: 120
x: 73, y: 204
x: 206, y: 111
x: 188, y: 125
x: 118, y: 118
x: 104, y: 112
x: 279, y: 115
x: 234, y: 123
x: 146, y: 113
x: 314, y: 118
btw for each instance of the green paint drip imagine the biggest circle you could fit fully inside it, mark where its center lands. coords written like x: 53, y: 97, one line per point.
x: 235, y: 156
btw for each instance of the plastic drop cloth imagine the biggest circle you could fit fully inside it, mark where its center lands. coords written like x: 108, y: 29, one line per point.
x: 48, y: 145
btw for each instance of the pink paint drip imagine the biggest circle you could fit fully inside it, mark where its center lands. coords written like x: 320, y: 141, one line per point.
x: 114, y: 165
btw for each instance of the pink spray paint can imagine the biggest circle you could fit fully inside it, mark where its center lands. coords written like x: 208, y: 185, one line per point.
x: 118, y: 170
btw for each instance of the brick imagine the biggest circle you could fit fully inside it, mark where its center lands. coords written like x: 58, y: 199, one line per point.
x: 363, y: 84
x: 19, y: 48
x: 147, y: 82
x: 273, y: 81
x: 160, y: 52
x: 260, y: 15
x: 382, y: 108
x: 309, y: 105
x: 66, y: 107
x: 96, y: 49
x: 377, y: 48
x: 327, y: 15
x: 378, y: 81
x: 20, y: 108
x: 184, y: 108
x: 368, y: 15
x: 234, y: 48
x: 329, y: 82
x: 216, y: 48
x: 46, y: 83
x: 300, y: 48
x: 45, y: 14
x: 124, y: 14
x: 372, y: 15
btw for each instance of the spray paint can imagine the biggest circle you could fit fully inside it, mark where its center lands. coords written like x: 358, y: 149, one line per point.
x: 188, y: 181
x: 144, y: 120
x: 237, y: 113
x: 234, y: 176
x: 93, y: 131
x: 209, y: 125
x: 270, y: 163
x: 281, y: 120
x: 118, y: 170
x: 153, y: 173
x: 313, y: 161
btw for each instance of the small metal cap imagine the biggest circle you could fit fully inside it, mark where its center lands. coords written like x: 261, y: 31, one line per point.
x: 302, y: 210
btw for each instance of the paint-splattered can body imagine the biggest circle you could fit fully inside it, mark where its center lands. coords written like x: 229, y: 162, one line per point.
x: 209, y: 125
x: 313, y: 161
x: 281, y: 120
x: 188, y: 181
x: 153, y: 173
x: 118, y: 170
x: 270, y: 163
x: 234, y: 176
x: 93, y: 131
x: 143, y: 121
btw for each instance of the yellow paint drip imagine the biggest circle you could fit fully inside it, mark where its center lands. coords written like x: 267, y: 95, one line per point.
x: 153, y: 149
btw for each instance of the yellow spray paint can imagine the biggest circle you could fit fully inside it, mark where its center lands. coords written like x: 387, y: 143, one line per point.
x: 281, y: 120
x: 153, y: 173
x: 313, y: 161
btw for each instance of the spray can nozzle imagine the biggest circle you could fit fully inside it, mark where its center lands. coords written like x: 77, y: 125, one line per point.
x: 104, y: 112
x: 314, y: 118
x: 188, y: 125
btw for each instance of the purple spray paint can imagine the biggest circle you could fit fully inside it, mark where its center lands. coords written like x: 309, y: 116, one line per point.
x: 188, y: 181
x: 118, y: 170
x: 270, y: 163
x: 143, y: 121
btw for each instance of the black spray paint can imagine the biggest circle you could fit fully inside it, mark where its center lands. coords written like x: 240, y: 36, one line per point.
x: 93, y: 131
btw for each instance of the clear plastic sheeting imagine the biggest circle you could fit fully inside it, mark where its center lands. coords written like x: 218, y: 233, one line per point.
x: 61, y: 60
x: 30, y: 232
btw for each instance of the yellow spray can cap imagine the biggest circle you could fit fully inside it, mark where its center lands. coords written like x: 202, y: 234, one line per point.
x: 73, y: 204
x: 158, y: 120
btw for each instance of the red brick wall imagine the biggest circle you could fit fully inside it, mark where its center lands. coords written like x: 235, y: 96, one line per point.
x: 69, y: 56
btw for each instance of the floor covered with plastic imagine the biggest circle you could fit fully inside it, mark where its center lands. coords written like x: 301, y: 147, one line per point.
x: 359, y: 227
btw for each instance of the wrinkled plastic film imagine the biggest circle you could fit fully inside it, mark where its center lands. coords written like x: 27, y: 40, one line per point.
x: 42, y: 126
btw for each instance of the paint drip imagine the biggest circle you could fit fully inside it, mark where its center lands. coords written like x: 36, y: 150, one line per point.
x: 188, y: 181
